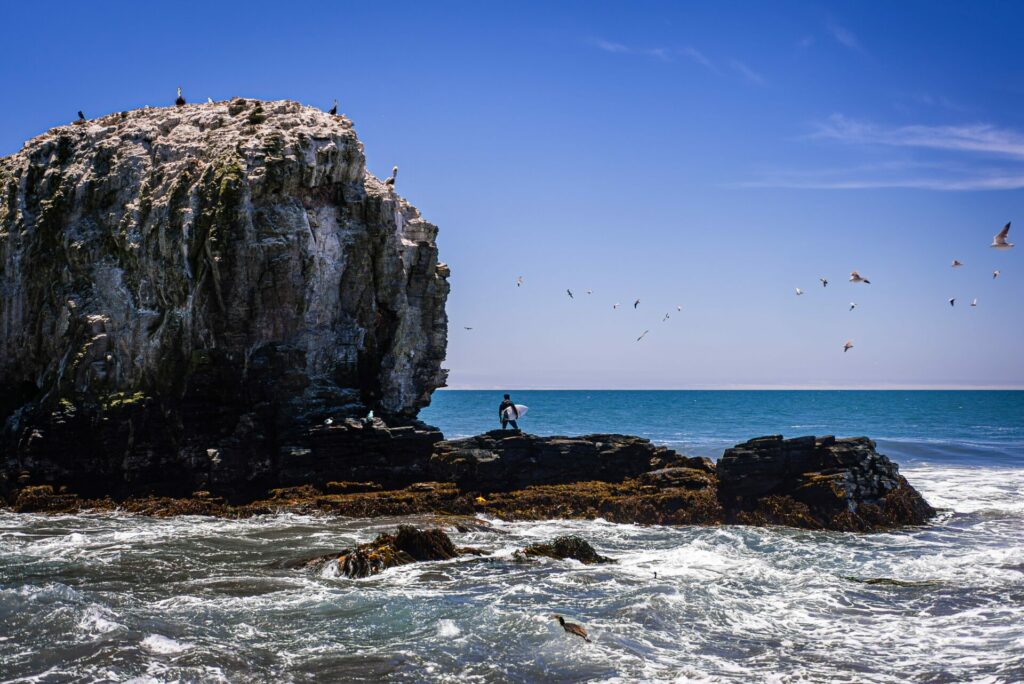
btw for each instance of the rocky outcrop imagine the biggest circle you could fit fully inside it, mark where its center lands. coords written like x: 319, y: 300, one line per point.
x: 817, y: 482
x: 560, y: 548
x: 406, y: 545
x: 504, y: 460
x: 189, y: 295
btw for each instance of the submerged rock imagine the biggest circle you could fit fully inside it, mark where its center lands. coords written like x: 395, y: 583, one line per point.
x: 189, y: 293
x: 560, y: 548
x: 406, y: 545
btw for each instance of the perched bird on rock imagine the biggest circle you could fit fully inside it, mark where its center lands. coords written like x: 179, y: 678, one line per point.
x: 848, y: 346
x: 569, y: 292
x: 956, y: 264
x: 81, y: 116
x: 952, y: 301
x: 999, y: 241
x: 209, y: 100
x: 857, y: 278
x: 798, y: 291
x: 995, y: 274
x: 824, y: 282
x: 334, y: 109
x: 180, y: 102
x: 636, y: 303
x: 642, y: 335
x: 573, y: 628
x: 391, y: 181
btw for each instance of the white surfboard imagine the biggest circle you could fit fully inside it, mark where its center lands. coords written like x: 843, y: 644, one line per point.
x: 511, y: 415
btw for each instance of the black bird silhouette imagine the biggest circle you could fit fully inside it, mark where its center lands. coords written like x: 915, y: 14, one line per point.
x: 824, y: 282
x: 180, y: 102
x: 333, y: 110
x: 569, y: 292
x: 81, y: 116
x: 952, y: 301
x: 636, y: 303
x: 573, y: 628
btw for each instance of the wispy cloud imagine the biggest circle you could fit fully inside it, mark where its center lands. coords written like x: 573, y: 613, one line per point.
x: 609, y: 46
x: 979, y: 138
x: 698, y: 57
x: 747, y: 72
x: 844, y: 36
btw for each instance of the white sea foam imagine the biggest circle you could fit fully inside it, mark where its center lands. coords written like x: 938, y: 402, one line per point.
x: 157, y: 643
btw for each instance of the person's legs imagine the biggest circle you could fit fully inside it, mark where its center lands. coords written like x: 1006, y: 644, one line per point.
x: 515, y: 426
x: 504, y: 423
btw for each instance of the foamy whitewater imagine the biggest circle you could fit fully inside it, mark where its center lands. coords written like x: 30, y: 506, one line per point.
x: 117, y: 598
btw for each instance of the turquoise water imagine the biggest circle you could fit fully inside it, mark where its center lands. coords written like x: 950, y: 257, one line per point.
x: 113, y: 597
x: 980, y: 427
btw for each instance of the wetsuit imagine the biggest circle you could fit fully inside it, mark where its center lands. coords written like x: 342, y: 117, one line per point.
x: 501, y: 414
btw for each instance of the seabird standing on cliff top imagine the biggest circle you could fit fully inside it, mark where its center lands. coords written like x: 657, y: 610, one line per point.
x: 642, y: 335
x: 952, y: 301
x: 636, y: 303
x: 334, y: 109
x: 573, y: 628
x: 956, y: 264
x: 391, y: 181
x: 824, y: 282
x: 81, y: 116
x: 569, y: 292
x: 999, y: 241
x: 857, y: 278
x: 995, y: 274
x: 798, y: 291
x: 180, y: 102
x: 209, y: 100
x: 848, y: 346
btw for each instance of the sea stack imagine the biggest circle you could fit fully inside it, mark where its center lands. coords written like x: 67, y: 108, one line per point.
x: 187, y: 296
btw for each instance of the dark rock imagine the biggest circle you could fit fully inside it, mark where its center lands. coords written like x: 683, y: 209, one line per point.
x: 407, y: 545
x: 503, y: 460
x: 564, y: 547
x: 830, y: 483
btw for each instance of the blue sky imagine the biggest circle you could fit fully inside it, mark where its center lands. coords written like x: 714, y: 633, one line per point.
x: 713, y: 155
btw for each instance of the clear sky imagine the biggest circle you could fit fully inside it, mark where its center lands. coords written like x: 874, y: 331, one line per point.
x: 713, y: 155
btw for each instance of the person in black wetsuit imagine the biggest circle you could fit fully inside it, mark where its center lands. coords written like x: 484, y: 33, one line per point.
x: 507, y: 403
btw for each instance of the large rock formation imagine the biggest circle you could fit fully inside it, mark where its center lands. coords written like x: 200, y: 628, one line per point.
x: 185, y: 292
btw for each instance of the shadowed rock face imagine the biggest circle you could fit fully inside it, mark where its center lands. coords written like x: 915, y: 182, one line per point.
x: 190, y: 289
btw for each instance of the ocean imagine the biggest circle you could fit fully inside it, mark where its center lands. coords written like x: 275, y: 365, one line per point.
x: 107, y: 597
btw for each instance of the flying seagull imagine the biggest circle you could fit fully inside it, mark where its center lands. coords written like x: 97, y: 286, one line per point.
x: 590, y: 292
x: 642, y: 335
x: 856, y: 278
x: 848, y: 346
x: 799, y: 291
x: 180, y: 102
x: 467, y: 327
x: 952, y: 301
x: 636, y: 303
x: 665, y: 318
x: 519, y: 281
x: 573, y: 628
x: 999, y: 241
x: 853, y: 306
x: 394, y: 174
x: 334, y: 109
x: 569, y: 292
x: 956, y: 264
x: 615, y: 305
x: 824, y: 282
x: 679, y: 307
x: 995, y: 274
x: 974, y: 302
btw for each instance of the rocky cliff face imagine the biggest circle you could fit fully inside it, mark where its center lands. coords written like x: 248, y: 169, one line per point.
x: 187, y: 291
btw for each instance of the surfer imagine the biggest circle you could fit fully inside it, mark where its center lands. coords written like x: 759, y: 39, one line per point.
x: 507, y: 418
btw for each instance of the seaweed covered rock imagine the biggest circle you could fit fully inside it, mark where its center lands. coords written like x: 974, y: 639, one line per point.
x: 504, y: 460
x: 840, y: 484
x: 560, y: 548
x: 186, y: 292
x: 406, y: 545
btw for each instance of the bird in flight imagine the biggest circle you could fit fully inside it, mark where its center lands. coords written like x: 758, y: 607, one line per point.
x: 956, y: 264
x: 590, y: 292
x: 519, y: 281
x: 824, y: 282
x: 848, y: 346
x: 636, y: 303
x: 995, y: 274
x: 569, y: 292
x: 615, y: 305
x: 679, y: 307
x: 665, y: 318
x: 853, y: 306
x: 952, y: 301
x: 999, y: 241
x: 857, y: 278
x: 799, y: 291
x: 573, y: 628
x: 974, y: 302
x: 467, y: 327
x: 642, y: 335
